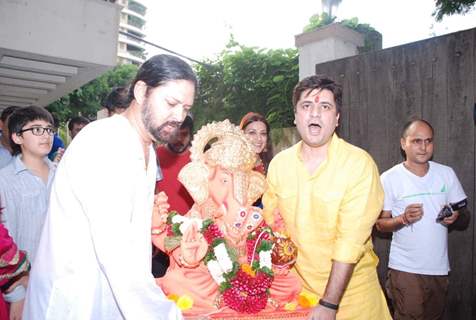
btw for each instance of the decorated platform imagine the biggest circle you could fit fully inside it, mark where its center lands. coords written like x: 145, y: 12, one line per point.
x: 264, y: 315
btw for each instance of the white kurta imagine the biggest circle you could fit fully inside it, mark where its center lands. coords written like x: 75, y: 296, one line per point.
x: 94, y: 256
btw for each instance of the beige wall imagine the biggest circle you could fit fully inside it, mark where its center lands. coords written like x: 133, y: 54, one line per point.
x: 326, y: 44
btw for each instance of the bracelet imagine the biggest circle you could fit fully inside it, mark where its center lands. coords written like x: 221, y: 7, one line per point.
x: 328, y: 304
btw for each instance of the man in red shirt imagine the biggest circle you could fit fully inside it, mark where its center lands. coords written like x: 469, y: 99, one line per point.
x: 172, y: 157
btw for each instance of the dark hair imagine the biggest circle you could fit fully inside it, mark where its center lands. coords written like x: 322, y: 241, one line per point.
x: 160, y: 69
x: 117, y: 98
x: 412, y: 121
x: 19, y: 118
x: 77, y: 120
x: 267, y: 154
x: 7, y: 112
x: 187, y: 124
x: 405, y: 128
x: 318, y: 82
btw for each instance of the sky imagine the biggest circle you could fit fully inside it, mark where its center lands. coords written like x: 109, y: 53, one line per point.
x: 200, y: 29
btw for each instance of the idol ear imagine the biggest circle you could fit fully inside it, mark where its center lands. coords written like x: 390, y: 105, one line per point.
x: 256, y: 186
x: 240, y: 187
x: 194, y: 177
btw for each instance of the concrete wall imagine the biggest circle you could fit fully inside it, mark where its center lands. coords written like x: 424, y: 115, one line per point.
x: 80, y: 30
x: 434, y: 79
x: 48, y: 48
x: 328, y: 43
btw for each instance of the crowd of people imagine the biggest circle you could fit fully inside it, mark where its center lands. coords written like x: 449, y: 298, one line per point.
x: 85, y: 218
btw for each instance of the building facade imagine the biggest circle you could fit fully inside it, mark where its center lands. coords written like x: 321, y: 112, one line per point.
x: 132, y: 21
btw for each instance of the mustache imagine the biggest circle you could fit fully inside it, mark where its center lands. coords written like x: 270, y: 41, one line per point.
x: 174, y: 124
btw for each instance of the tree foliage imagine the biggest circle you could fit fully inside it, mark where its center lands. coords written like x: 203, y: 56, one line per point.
x: 450, y: 7
x: 244, y: 79
x: 372, y: 38
x: 86, y: 101
x: 318, y: 20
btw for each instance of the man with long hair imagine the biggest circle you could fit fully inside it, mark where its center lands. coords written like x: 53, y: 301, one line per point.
x: 94, y: 256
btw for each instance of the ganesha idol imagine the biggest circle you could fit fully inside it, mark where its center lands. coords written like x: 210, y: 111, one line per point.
x: 222, y: 254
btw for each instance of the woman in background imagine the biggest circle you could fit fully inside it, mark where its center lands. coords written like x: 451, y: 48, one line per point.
x: 256, y: 128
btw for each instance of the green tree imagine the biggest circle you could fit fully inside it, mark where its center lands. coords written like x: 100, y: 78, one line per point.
x: 244, y: 79
x: 318, y: 20
x: 450, y: 7
x: 87, y: 100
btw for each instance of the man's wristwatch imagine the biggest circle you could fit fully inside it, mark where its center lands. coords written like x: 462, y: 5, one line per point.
x: 328, y: 305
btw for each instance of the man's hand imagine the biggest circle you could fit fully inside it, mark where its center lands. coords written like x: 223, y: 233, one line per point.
x: 322, y: 313
x: 451, y: 219
x: 161, y: 203
x: 16, y: 310
x: 413, y: 212
x: 58, y: 155
x: 160, y: 210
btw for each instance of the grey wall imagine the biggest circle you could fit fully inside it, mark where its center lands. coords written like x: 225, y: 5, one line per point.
x: 434, y: 79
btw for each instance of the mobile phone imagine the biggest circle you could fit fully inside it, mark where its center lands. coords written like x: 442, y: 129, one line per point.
x: 445, y: 212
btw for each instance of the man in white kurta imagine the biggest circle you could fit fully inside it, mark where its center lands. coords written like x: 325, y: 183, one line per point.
x: 94, y: 257
x: 90, y: 254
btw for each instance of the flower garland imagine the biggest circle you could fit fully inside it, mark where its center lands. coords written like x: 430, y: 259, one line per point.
x: 244, y: 288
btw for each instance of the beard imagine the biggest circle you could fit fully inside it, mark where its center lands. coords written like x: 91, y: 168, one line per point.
x: 158, y: 132
x: 177, y: 147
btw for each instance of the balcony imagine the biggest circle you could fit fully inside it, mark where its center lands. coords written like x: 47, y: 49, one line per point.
x: 129, y: 27
x: 129, y: 57
x: 135, y: 21
x: 132, y: 42
x: 137, y: 7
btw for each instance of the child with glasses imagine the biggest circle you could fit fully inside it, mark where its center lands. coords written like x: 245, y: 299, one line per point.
x: 25, y: 181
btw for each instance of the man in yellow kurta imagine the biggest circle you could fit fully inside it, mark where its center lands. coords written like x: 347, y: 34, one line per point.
x: 329, y: 195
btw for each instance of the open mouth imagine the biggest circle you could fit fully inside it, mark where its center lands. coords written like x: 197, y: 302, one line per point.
x: 314, y: 128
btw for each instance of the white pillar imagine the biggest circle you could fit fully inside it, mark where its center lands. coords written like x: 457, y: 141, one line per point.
x: 327, y: 43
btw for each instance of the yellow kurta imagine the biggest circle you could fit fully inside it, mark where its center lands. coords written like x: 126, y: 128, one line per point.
x: 329, y: 215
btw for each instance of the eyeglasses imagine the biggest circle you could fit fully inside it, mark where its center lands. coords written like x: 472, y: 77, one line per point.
x: 39, y: 131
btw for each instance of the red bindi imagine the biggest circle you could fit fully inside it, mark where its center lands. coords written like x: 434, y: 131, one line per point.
x: 316, y: 99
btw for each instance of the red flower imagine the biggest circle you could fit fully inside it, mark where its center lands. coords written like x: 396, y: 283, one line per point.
x: 170, y: 232
x: 212, y: 233
x: 248, y: 294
